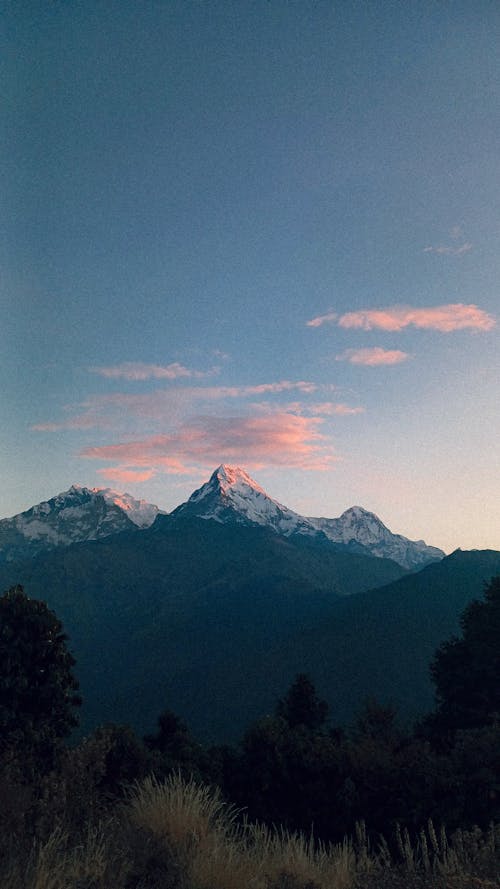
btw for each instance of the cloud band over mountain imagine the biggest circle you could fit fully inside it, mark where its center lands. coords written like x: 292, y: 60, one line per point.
x: 281, y: 439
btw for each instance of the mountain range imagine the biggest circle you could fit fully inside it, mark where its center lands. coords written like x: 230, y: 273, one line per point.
x: 71, y: 517
x: 230, y: 496
x: 211, y: 610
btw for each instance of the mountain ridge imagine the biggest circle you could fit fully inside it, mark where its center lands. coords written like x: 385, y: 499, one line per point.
x: 230, y: 496
x: 215, y: 621
x: 75, y: 515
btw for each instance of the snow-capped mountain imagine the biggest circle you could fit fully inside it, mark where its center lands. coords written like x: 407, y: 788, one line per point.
x: 363, y: 530
x: 71, y: 517
x: 232, y: 496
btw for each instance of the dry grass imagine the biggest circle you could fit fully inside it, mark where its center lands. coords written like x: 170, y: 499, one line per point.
x: 176, y: 834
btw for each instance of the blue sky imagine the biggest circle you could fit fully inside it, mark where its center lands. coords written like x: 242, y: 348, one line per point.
x: 259, y: 233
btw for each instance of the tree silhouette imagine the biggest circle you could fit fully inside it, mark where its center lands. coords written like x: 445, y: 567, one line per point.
x: 466, y: 670
x: 302, y: 706
x: 37, y: 687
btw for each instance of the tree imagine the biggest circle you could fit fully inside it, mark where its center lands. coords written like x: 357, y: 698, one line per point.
x: 301, y: 705
x: 466, y: 670
x: 174, y: 746
x: 38, y: 692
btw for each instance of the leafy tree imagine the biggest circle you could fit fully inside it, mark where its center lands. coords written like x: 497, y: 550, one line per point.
x: 302, y: 706
x: 466, y: 670
x: 290, y: 767
x: 377, y: 723
x: 38, y: 692
x: 174, y: 746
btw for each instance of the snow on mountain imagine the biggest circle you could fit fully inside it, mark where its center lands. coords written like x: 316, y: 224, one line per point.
x: 72, y: 516
x: 231, y: 495
x: 140, y: 512
x: 357, y: 527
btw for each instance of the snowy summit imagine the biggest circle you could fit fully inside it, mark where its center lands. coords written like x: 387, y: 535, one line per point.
x: 75, y: 515
x: 232, y: 496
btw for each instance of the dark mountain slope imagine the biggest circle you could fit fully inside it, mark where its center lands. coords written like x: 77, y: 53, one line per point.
x: 231, y: 496
x: 380, y: 643
x: 182, y: 614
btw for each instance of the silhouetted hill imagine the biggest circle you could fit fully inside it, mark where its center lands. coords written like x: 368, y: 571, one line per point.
x: 183, y: 614
x: 380, y: 643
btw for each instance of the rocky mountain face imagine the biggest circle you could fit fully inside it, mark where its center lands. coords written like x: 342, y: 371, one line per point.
x: 364, y: 531
x: 71, y: 517
x: 232, y: 496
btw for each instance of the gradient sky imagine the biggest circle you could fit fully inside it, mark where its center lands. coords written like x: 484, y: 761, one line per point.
x: 259, y: 233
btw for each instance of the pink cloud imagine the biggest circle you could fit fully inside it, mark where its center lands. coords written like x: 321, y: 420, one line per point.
x: 126, y: 476
x: 446, y: 318
x: 322, y: 319
x: 114, y: 409
x: 279, y: 439
x: 130, y: 370
x: 373, y: 357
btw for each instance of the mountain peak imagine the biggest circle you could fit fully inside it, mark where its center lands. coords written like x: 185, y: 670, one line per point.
x: 78, y: 514
x: 231, y: 496
x: 231, y: 476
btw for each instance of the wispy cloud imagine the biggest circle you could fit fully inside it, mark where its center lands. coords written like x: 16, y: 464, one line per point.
x: 305, y: 408
x: 447, y: 250
x: 456, y: 234
x: 445, y: 318
x: 282, y: 439
x: 105, y: 411
x: 216, y: 392
x: 126, y: 476
x: 374, y: 357
x: 136, y: 370
x: 334, y: 409
x: 322, y: 319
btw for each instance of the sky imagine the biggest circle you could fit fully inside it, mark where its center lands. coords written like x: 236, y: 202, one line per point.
x: 257, y: 233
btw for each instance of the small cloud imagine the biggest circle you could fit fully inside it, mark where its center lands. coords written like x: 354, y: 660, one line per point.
x: 221, y: 355
x: 83, y: 421
x: 322, y: 319
x: 444, y: 250
x: 331, y: 409
x: 130, y: 370
x: 318, y: 409
x: 446, y: 318
x: 374, y: 357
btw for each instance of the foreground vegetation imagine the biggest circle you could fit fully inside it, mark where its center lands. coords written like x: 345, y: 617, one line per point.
x: 177, y: 834
x: 286, y: 809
